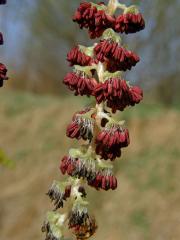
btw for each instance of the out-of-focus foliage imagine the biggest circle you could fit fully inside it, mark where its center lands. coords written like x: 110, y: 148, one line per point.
x: 4, y: 160
x: 146, y: 203
x: 48, y: 33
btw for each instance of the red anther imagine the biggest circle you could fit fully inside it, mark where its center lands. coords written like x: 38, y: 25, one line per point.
x: 129, y: 23
x: 3, y: 72
x: 3, y: 2
x: 96, y: 21
x: 109, y: 146
x: 80, y: 83
x: 1, y: 39
x: 77, y: 57
x: 118, y: 94
x: 116, y: 57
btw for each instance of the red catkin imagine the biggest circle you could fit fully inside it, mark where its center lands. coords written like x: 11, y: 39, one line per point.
x: 80, y: 83
x: 118, y: 94
x: 129, y: 23
x: 77, y: 57
x: 115, y: 56
x: 96, y: 21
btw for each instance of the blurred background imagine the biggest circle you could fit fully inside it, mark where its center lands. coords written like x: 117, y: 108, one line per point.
x: 35, y: 109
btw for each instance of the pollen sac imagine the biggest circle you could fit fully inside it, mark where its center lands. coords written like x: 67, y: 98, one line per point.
x: 82, y: 225
x: 129, y: 23
x: 115, y: 56
x: 59, y: 193
x: 82, y: 190
x: 3, y: 72
x: 80, y: 127
x: 118, y: 94
x: 110, y: 141
x: 53, y: 225
x: 77, y: 57
x: 80, y: 83
x: 77, y: 218
x: 77, y: 167
x: 94, y: 18
x: 3, y: 2
x: 104, y: 180
x: 109, y: 153
x: 1, y: 39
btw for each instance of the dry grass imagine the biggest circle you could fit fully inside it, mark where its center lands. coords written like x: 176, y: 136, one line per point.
x: 146, y: 205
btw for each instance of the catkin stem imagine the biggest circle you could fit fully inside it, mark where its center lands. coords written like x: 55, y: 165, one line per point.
x: 99, y: 107
x: 112, y: 5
